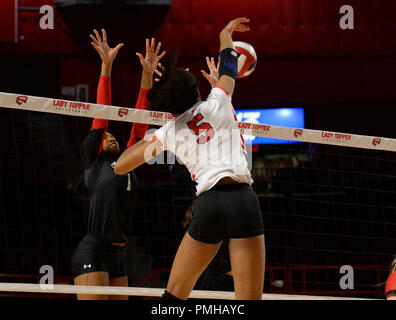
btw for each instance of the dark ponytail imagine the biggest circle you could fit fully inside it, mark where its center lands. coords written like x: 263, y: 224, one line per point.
x: 177, y: 90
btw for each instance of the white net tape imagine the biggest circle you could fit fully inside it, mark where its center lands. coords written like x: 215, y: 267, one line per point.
x: 146, y: 292
x: 90, y: 110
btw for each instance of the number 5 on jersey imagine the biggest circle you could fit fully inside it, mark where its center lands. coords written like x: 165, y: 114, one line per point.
x: 204, y: 130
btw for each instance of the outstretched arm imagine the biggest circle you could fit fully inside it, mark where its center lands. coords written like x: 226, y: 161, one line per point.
x: 106, y: 53
x: 225, y: 81
x: 136, y: 155
x: 94, y: 143
x: 149, y: 64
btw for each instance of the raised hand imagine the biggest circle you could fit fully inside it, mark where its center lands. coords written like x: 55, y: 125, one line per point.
x: 237, y: 25
x: 159, y: 71
x: 213, y: 76
x: 151, y: 59
x: 100, y: 44
x: 228, y: 82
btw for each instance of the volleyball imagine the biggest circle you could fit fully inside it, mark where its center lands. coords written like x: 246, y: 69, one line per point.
x: 247, y: 58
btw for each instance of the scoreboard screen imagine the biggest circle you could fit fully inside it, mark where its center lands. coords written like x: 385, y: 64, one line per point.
x: 283, y: 117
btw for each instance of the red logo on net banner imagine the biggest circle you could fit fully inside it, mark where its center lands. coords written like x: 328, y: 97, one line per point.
x: 21, y: 99
x: 160, y: 116
x: 122, y: 112
x: 336, y: 137
x: 75, y: 106
x: 298, y: 132
x: 257, y: 128
x: 376, y: 141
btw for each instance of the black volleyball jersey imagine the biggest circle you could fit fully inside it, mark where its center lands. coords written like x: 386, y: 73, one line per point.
x: 110, y: 195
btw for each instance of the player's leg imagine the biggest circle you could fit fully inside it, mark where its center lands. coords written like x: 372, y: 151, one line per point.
x: 119, y: 282
x: 191, y: 259
x: 246, y: 246
x: 247, y: 256
x: 116, y: 263
x: 98, y: 278
x: 198, y: 247
x: 88, y: 266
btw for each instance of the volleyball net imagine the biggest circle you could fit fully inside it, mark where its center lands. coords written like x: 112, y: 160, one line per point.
x: 327, y: 202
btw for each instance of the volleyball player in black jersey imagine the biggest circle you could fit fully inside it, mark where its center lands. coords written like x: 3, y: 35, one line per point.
x: 100, y: 258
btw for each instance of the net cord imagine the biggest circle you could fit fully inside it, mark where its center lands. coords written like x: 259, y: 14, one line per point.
x: 146, y: 292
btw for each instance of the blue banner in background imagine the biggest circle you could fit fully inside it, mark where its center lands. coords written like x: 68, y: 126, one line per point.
x: 284, y: 117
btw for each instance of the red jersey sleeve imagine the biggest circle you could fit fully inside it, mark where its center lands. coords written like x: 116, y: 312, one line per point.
x: 103, y: 96
x: 139, y: 129
x: 390, y: 287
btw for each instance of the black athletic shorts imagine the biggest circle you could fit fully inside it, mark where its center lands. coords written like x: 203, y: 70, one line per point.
x: 94, y: 254
x: 226, y: 211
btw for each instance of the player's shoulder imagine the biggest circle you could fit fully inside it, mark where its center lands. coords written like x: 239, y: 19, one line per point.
x: 217, y: 97
x: 166, y: 128
x: 219, y: 92
x: 218, y: 101
x: 188, y: 114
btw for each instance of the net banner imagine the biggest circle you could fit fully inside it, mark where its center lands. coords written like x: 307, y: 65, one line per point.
x: 91, y: 110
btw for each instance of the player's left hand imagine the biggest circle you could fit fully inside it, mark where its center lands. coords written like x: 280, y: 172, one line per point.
x: 161, y: 69
x: 151, y: 59
x: 213, y: 76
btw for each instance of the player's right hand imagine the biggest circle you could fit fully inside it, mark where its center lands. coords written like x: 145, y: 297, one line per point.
x: 237, y: 24
x: 106, y: 53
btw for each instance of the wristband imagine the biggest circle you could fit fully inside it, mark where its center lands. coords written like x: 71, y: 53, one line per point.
x: 228, y: 63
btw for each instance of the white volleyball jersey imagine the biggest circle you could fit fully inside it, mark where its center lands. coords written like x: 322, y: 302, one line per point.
x: 207, y: 140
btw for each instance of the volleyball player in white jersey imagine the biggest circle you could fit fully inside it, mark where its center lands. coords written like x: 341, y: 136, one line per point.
x: 205, y: 137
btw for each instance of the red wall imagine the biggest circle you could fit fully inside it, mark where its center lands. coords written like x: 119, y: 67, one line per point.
x: 8, y: 21
x: 303, y: 55
x: 280, y: 28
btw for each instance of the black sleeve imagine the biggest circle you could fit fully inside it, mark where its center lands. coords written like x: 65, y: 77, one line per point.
x: 91, y: 146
